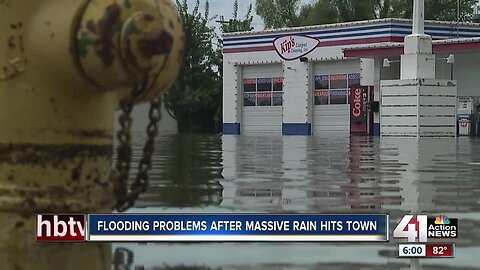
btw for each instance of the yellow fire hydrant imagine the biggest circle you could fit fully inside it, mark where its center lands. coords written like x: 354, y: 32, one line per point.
x: 65, y: 67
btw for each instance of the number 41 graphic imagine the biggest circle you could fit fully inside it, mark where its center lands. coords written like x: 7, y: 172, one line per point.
x: 412, y: 228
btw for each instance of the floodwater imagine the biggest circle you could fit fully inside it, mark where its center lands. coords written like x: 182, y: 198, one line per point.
x: 331, y: 174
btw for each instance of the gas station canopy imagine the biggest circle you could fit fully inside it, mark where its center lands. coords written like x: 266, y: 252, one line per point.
x: 396, y: 48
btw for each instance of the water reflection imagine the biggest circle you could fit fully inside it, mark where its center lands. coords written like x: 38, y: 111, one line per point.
x: 316, y: 175
x: 186, y: 171
x: 275, y: 174
x: 194, y: 173
x: 122, y: 259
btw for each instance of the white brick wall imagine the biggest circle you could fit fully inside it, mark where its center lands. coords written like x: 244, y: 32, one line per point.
x: 423, y: 108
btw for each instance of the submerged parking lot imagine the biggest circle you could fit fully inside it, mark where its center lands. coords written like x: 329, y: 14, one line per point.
x: 283, y: 174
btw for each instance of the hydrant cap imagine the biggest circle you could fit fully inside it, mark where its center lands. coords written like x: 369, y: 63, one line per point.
x: 131, y: 43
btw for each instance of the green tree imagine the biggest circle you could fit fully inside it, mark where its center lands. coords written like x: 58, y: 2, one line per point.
x: 196, y: 96
x: 333, y: 11
x: 235, y: 24
x: 351, y: 10
x: 229, y: 26
x: 283, y: 13
x: 442, y: 10
x: 279, y: 13
x: 195, y: 99
x: 316, y: 13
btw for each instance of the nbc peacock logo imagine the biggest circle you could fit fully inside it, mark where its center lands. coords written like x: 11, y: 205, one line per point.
x: 442, y: 220
x: 442, y: 227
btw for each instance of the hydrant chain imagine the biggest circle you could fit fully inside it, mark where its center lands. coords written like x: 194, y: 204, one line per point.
x: 126, y: 197
x: 71, y: 63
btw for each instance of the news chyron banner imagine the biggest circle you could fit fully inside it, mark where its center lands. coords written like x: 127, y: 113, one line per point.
x: 213, y: 227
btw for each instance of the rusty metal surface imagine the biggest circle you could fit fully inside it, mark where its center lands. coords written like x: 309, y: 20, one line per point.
x: 54, y: 177
x: 14, y: 62
x: 64, y: 68
x: 57, y: 127
x: 122, y: 43
x: 17, y: 252
x: 34, y: 154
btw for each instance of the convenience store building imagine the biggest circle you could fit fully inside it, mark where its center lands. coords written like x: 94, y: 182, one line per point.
x: 326, y: 79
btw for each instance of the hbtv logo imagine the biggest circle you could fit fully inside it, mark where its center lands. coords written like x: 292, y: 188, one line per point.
x: 59, y: 228
x: 422, y: 227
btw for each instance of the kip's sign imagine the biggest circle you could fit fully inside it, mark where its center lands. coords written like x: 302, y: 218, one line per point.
x: 293, y: 47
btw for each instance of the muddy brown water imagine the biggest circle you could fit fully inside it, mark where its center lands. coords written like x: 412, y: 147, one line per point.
x: 316, y: 174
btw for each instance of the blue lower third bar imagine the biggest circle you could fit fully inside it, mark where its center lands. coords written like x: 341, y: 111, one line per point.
x: 237, y: 227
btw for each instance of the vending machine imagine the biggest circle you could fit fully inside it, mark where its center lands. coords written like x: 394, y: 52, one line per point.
x: 361, y: 117
x: 465, y: 106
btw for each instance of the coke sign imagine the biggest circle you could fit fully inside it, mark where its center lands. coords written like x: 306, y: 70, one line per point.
x: 294, y: 46
x: 358, y: 111
x: 357, y: 104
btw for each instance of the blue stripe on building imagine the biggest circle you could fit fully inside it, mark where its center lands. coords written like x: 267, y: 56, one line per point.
x: 231, y: 128
x: 297, y: 129
x: 323, y: 38
x: 376, y: 129
x: 311, y: 33
x: 441, y: 36
x: 431, y: 30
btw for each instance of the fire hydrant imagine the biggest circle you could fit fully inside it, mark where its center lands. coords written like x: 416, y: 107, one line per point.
x: 65, y: 67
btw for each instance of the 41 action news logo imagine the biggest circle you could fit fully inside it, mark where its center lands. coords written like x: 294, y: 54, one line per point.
x: 422, y: 227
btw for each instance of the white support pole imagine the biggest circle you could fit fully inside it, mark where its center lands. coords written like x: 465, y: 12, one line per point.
x: 417, y: 77
x: 418, y: 62
x: 418, y: 17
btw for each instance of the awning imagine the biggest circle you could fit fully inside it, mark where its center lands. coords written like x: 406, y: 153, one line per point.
x: 396, y: 49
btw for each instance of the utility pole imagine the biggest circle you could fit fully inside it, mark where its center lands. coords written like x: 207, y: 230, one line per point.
x: 418, y: 17
x: 418, y: 62
x: 458, y: 18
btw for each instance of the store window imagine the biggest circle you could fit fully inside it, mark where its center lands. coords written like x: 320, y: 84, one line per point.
x: 264, y: 84
x: 249, y: 89
x: 321, y: 97
x: 353, y: 79
x: 264, y: 99
x: 339, y: 96
x: 278, y: 84
x: 263, y: 91
x: 277, y: 98
x: 338, y: 81
x: 321, y: 82
x: 334, y: 89
x: 249, y: 85
x: 249, y: 99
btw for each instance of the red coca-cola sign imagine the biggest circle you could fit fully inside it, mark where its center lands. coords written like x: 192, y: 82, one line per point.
x: 357, y: 104
x: 358, y: 113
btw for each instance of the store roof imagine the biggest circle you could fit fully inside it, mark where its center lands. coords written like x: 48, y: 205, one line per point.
x: 341, y: 35
x: 335, y: 25
x: 396, y: 48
